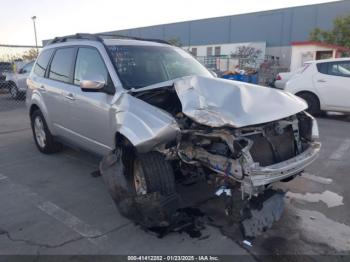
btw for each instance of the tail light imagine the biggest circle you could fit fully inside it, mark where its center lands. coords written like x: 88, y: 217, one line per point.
x: 278, y: 77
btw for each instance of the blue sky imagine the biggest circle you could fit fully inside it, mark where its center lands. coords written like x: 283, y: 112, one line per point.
x: 63, y: 17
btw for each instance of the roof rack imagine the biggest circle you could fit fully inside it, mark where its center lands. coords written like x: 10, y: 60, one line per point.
x: 134, y: 38
x: 79, y: 36
x: 99, y: 38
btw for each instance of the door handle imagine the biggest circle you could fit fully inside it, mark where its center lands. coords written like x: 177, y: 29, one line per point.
x: 321, y: 81
x: 70, y: 96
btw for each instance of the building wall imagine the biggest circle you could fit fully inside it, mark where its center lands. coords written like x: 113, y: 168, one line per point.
x: 302, y: 54
x: 227, y: 49
x: 277, y: 27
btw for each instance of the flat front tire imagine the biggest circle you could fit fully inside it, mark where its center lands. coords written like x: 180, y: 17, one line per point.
x: 152, y: 173
x: 42, y: 135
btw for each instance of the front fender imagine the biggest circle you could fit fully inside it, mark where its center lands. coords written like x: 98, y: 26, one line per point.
x: 144, y: 125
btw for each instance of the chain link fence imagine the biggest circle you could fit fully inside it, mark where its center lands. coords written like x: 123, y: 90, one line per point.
x: 266, y: 69
x: 15, y: 65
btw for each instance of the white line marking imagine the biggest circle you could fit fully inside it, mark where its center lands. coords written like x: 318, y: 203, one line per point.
x: 331, y: 199
x: 72, y: 222
x: 341, y: 150
x: 2, y: 177
x: 319, y: 179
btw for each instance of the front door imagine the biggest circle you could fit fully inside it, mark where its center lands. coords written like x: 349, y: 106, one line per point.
x: 89, y: 112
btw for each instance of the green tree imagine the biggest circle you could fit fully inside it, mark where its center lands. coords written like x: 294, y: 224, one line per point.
x: 31, y: 54
x: 339, y: 34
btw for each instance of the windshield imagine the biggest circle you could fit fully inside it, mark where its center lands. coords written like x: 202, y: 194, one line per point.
x: 140, y: 66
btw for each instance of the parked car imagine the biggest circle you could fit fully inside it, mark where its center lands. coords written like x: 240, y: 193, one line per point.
x: 17, y: 81
x: 152, y: 110
x: 283, y: 77
x: 5, y: 67
x: 324, y: 85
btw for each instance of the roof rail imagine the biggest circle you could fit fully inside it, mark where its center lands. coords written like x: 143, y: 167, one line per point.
x: 98, y: 37
x: 78, y: 36
x: 134, y: 38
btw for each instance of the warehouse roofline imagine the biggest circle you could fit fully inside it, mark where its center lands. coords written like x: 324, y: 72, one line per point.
x: 228, y: 16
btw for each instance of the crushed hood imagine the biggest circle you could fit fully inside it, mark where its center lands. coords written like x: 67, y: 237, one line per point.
x: 218, y: 102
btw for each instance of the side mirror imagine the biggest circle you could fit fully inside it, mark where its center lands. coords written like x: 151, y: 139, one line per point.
x: 93, y: 84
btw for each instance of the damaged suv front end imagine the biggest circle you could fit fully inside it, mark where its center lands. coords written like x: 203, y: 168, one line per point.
x: 240, y: 132
x: 240, y: 136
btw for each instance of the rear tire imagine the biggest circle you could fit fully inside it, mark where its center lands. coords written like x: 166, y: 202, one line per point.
x: 42, y: 135
x: 312, y: 102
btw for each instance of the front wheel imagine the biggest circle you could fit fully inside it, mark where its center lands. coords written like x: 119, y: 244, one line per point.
x: 312, y: 102
x: 152, y: 173
x: 142, y: 186
x: 42, y: 135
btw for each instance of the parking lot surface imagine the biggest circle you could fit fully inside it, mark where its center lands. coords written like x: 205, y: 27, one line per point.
x: 51, y: 204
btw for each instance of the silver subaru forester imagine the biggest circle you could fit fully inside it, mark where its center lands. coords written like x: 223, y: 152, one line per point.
x: 155, y: 113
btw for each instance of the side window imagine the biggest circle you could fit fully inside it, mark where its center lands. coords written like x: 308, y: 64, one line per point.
x: 89, y: 64
x: 339, y: 69
x: 61, y: 65
x: 42, y: 62
x: 322, y: 68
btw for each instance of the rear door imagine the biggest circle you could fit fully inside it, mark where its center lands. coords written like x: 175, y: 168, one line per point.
x: 332, y: 82
x: 58, y: 86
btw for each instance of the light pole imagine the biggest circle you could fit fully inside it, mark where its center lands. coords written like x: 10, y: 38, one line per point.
x: 36, y: 40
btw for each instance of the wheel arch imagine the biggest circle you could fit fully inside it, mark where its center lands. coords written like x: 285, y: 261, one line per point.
x: 37, y: 105
x: 311, y: 93
x: 32, y: 108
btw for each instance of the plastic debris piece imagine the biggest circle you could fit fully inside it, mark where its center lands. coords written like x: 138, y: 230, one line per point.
x: 248, y: 243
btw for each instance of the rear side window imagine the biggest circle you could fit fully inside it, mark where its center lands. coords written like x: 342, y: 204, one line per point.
x: 341, y: 68
x: 42, y: 62
x: 61, y: 65
x: 322, y: 68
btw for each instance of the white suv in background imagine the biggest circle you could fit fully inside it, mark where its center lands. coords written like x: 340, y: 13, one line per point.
x: 324, y: 85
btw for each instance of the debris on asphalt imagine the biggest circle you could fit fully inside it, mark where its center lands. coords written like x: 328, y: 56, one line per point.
x: 248, y: 243
x: 260, y: 213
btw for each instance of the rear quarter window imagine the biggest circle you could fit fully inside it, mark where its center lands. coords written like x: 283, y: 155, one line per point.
x: 322, y: 68
x: 338, y: 68
x: 42, y: 62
